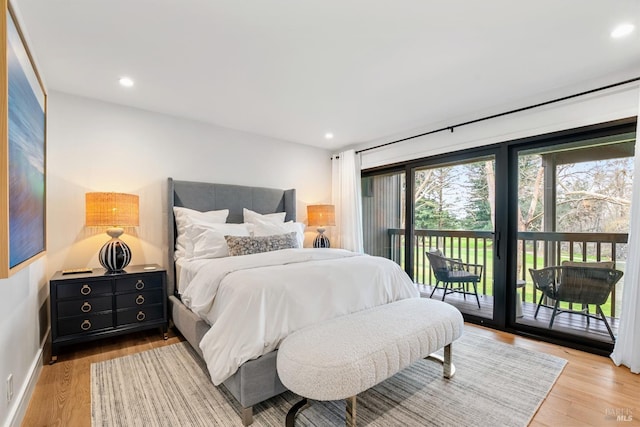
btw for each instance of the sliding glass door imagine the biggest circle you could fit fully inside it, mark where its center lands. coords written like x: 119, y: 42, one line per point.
x: 490, y: 216
x: 445, y: 206
x: 573, y: 212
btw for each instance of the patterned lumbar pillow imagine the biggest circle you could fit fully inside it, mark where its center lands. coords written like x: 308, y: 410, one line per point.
x: 241, y: 245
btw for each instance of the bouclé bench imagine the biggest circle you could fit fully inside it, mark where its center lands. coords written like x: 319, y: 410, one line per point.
x: 345, y: 356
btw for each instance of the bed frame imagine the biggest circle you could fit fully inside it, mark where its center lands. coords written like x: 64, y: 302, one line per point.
x: 256, y: 380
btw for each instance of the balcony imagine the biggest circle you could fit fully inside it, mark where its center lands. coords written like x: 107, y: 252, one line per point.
x: 535, y: 250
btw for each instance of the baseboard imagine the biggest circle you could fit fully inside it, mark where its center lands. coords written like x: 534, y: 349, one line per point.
x: 45, y: 345
x: 16, y: 415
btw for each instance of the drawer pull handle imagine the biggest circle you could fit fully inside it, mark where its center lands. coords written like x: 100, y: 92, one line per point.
x: 85, y: 290
x: 86, y: 307
x: 139, y: 285
x: 86, y: 325
x: 140, y: 316
x: 139, y: 300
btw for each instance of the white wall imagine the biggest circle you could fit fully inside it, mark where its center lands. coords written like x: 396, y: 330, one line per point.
x: 596, y: 108
x: 96, y: 146
x: 23, y: 296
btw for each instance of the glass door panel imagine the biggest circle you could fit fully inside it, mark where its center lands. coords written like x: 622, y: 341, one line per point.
x: 454, y: 219
x: 383, y: 215
x: 573, y: 207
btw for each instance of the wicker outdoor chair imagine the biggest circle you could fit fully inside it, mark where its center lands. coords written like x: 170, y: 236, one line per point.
x: 452, y: 271
x: 578, y: 284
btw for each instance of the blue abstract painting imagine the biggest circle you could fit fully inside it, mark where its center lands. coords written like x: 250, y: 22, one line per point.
x: 26, y: 153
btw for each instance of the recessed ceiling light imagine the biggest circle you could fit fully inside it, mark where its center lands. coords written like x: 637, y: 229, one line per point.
x: 126, y: 82
x: 328, y: 135
x: 622, y: 30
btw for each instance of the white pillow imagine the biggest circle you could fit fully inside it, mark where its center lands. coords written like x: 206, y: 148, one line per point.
x: 251, y: 216
x: 206, y: 240
x: 267, y: 228
x: 185, y: 216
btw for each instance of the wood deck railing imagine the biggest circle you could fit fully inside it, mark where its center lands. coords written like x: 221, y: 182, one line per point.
x: 535, y: 250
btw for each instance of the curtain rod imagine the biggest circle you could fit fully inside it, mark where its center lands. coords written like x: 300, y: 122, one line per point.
x: 517, y: 110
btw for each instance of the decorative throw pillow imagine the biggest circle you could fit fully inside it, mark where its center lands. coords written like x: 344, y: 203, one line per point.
x: 239, y: 245
x: 268, y: 228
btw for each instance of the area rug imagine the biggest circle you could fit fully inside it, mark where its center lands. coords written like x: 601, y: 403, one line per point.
x: 495, y: 385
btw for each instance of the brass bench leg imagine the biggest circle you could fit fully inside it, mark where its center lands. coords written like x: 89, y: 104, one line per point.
x: 351, y: 411
x: 448, y: 367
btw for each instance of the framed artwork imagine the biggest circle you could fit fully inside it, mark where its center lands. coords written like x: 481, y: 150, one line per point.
x: 23, y: 102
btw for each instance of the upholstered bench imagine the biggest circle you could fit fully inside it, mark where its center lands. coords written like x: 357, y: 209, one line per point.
x: 345, y: 356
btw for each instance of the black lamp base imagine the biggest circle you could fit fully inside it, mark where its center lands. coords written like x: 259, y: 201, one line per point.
x: 115, y: 255
x: 321, y: 241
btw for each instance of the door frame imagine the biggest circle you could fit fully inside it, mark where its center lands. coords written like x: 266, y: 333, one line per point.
x: 499, y: 153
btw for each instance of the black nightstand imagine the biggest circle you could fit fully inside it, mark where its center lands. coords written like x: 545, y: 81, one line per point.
x: 90, y: 306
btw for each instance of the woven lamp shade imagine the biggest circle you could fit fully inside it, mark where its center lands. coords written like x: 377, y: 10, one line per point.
x: 112, y: 209
x: 321, y: 215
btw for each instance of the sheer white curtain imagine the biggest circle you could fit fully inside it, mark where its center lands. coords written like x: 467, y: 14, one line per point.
x: 627, y: 348
x: 347, y: 198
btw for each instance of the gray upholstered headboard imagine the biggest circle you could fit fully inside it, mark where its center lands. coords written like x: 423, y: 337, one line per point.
x: 204, y: 196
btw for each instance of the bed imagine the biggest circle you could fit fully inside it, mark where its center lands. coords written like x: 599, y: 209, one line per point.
x: 255, y: 379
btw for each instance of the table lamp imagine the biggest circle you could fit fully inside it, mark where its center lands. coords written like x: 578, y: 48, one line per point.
x: 321, y: 216
x: 113, y: 210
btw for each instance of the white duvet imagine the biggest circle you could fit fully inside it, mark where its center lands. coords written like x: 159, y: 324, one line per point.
x: 252, y: 302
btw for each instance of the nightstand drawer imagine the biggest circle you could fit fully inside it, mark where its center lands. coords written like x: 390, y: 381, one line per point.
x: 139, y: 315
x: 83, y: 324
x: 84, y: 288
x: 139, y: 299
x: 79, y: 307
x: 139, y: 283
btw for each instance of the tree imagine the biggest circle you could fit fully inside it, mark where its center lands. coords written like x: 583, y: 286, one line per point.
x: 480, y: 200
x: 530, y: 191
x: 434, y: 197
x: 595, y: 196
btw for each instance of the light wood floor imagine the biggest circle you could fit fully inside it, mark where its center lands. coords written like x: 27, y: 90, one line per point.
x: 590, y: 389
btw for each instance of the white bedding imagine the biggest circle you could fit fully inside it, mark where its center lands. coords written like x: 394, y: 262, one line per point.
x: 186, y: 269
x: 254, y: 301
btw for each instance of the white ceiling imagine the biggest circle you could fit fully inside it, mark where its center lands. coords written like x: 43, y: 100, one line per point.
x: 365, y: 70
